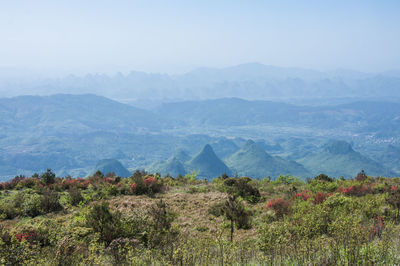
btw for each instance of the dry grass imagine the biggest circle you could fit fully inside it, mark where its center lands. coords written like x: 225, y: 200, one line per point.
x: 191, y: 210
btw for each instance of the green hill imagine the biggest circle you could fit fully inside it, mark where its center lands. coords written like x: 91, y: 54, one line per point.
x: 181, y: 155
x: 390, y: 158
x: 224, y: 147
x: 172, y: 166
x: 252, y: 160
x: 339, y: 159
x: 208, y: 163
x: 111, y: 166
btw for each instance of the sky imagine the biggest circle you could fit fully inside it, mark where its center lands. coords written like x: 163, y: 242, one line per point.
x: 100, y: 36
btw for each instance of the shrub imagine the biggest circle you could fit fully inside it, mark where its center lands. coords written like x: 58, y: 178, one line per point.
x: 361, y: 176
x: 302, y: 195
x: 48, y: 177
x: 31, y: 205
x: 279, y: 206
x: 49, y: 202
x: 287, y: 179
x: 324, y: 178
x: 320, y: 197
x: 241, y: 187
x: 356, y: 190
x: 103, y: 221
x: 161, y: 233
x: 378, y: 227
x: 148, y: 185
x: 75, y: 196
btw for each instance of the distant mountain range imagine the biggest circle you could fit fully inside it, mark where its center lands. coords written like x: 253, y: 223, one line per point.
x: 248, y: 81
x: 111, y: 166
x: 71, y: 133
x: 252, y: 160
x: 339, y: 159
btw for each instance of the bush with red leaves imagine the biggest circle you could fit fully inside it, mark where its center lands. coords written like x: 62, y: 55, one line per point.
x: 279, y: 206
x: 320, y: 197
x: 302, y: 195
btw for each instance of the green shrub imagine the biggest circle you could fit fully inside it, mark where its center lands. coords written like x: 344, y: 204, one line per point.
x: 31, y: 206
x: 241, y: 187
x: 49, y: 201
x: 103, y: 221
x: 75, y: 196
x: 48, y: 177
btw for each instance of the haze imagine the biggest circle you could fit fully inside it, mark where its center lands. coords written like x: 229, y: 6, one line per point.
x: 54, y: 37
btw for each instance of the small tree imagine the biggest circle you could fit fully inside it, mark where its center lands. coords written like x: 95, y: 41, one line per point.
x: 394, y: 200
x: 235, y: 212
x: 324, y: 178
x: 103, y: 221
x: 161, y: 231
x: 361, y: 176
x: 49, y: 201
x: 48, y: 177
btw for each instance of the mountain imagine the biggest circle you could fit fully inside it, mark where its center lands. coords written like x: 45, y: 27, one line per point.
x: 224, y: 147
x: 339, y: 159
x: 249, y: 81
x: 359, y: 116
x: 390, y: 157
x: 182, y: 156
x: 111, y: 166
x: 208, y: 164
x: 252, y: 160
x: 173, y: 166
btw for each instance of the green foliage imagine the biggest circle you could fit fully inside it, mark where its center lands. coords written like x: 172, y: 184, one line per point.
x: 287, y: 179
x: 75, y: 196
x: 49, y: 202
x: 32, y: 205
x: 161, y: 233
x: 241, y: 187
x: 341, y: 228
x: 48, y: 177
x: 191, y: 177
x: 103, y: 221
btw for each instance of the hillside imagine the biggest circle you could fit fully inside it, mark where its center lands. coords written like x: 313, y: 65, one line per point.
x: 252, y: 160
x: 111, y: 166
x: 338, y: 158
x: 148, y: 219
x: 208, y: 164
x: 173, y: 166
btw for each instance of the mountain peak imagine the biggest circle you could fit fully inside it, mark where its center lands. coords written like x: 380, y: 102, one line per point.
x: 208, y: 163
x: 181, y: 155
x: 111, y: 166
x: 338, y: 147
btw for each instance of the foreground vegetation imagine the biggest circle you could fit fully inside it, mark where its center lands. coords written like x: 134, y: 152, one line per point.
x: 148, y: 219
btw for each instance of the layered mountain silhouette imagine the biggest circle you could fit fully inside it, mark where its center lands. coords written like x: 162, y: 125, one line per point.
x: 111, y: 166
x: 252, y: 160
x: 391, y: 158
x: 338, y: 158
x: 208, y: 164
x: 173, y: 166
x: 224, y: 147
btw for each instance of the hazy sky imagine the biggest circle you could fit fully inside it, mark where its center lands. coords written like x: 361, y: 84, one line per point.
x: 175, y: 36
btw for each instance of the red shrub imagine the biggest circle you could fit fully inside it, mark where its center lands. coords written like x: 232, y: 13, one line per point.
x: 379, y: 226
x: 320, y: 197
x: 279, y: 206
x: 133, y: 187
x: 357, y: 190
x: 302, y: 195
x: 30, y: 236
